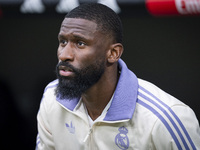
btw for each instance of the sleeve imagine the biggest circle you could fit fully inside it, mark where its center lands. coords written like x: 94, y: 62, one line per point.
x: 177, y: 129
x: 44, y: 139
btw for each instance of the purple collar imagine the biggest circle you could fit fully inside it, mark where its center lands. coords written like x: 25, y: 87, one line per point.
x: 124, y: 100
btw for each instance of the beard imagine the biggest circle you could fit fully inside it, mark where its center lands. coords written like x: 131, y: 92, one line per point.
x: 74, y: 86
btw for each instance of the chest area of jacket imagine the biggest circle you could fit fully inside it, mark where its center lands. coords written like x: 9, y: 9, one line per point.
x: 71, y: 131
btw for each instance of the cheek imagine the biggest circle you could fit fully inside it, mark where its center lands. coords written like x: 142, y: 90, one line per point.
x: 89, y: 59
x: 85, y: 60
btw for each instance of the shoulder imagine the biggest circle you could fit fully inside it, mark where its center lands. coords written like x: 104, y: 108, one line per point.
x: 172, y: 118
x: 50, y: 88
x: 153, y: 94
x: 51, y: 85
x: 49, y: 97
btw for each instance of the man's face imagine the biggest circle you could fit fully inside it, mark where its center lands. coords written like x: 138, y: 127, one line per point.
x: 82, y: 57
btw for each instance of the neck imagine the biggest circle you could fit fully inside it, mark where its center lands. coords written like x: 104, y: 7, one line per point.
x: 97, y: 97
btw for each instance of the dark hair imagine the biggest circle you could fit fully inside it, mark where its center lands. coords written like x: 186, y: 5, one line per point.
x: 107, y: 20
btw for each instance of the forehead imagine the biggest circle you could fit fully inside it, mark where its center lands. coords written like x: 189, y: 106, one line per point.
x: 76, y: 25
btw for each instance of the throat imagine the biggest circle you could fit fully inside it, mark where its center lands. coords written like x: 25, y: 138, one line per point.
x: 93, y: 117
x: 97, y: 114
x: 93, y: 114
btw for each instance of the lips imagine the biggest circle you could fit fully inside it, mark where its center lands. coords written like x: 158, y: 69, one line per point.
x: 65, y: 71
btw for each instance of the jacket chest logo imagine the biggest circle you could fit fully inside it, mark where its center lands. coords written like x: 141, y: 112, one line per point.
x: 121, y: 139
x: 70, y: 127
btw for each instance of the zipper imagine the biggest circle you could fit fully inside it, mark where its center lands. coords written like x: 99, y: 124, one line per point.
x: 87, y: 136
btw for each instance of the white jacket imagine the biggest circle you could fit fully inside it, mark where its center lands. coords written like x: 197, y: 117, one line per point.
x: 141, y: 117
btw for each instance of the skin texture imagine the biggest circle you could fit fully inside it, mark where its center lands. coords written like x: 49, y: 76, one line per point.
x: 81, y: 44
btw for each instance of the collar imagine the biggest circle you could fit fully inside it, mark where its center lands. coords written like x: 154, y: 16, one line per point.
x: 124, y: 99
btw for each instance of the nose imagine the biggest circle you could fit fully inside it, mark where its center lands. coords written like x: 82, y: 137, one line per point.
x: 66, y: 53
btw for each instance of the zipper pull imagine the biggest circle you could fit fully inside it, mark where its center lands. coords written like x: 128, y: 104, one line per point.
x: 87, y: 136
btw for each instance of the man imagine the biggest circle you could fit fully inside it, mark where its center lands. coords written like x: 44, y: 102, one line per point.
x: 98, y: 103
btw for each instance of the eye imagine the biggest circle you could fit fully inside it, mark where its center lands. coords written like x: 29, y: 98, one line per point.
x: 81, y: 44
x: 63, y: 42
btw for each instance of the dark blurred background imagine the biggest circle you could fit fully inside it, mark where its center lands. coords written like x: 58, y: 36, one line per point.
x: 164, y: 50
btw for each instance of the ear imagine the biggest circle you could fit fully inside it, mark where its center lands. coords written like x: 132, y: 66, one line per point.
x: 115, y: 52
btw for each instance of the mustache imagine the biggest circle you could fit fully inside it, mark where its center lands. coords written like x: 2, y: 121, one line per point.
x: 68, y: 65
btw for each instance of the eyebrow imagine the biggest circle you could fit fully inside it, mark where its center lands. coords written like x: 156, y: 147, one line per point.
x: 60, y: 36
x: 80, y: 37
x: 76, y: 36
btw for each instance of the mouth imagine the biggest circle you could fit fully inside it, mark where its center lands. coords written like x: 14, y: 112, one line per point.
x: 65, y: 71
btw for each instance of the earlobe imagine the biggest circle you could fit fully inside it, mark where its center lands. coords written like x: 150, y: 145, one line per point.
x: 115, y: 52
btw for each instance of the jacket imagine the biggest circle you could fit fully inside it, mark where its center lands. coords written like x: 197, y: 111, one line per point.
x: 141, y: 117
